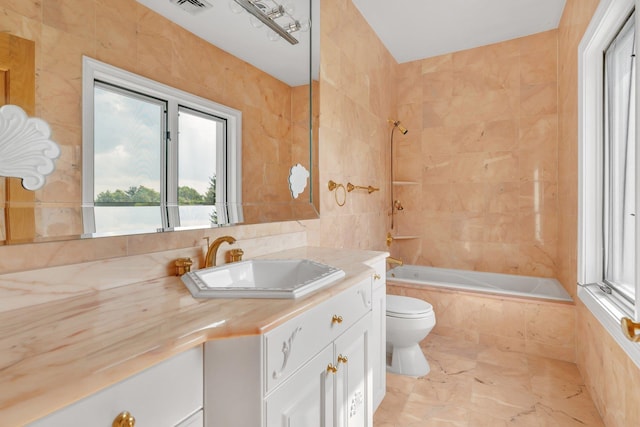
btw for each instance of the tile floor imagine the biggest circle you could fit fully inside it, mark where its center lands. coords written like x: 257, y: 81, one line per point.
x: 475, y: 385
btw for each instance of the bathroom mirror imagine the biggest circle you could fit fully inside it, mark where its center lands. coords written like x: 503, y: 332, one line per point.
x: 242, y: 69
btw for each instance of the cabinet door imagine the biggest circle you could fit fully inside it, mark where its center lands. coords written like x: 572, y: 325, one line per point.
x: 353, y: 379
x: 195, y: 420
x: 306, y: 398
x: 160, y: 396
x: 379, y: 333
x: 378, y: 344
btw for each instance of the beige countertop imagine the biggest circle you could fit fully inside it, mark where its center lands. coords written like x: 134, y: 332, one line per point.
x: 54, y: 354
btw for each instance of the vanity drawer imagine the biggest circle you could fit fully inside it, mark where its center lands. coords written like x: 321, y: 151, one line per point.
x: 161, y: 396
x: 290, y: 345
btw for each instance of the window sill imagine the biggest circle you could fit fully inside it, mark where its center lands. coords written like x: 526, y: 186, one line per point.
x: 609, y: 315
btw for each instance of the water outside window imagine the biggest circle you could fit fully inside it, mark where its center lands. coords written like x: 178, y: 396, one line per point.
x: 198, y: 136
x: 128, y: 133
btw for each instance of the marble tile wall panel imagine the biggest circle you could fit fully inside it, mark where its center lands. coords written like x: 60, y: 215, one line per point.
x: 92, y: 265
x: 610, y: 376
x: 357, y: 96
x: 482, y: 148
x: 521, y: 325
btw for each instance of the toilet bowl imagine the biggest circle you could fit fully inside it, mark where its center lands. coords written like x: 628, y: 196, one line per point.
x: 409, y: 320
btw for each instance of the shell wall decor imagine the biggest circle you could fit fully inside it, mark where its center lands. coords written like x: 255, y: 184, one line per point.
x: 298, y: 177
x: 25, y: 148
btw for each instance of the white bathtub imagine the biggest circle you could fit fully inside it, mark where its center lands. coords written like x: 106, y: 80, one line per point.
x: 494, y: 283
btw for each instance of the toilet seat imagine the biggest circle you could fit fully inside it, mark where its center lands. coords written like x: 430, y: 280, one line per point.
x: 407, y: 308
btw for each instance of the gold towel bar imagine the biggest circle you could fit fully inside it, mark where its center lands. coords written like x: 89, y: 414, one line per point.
x: 334, y: 186
x: 370, y: 189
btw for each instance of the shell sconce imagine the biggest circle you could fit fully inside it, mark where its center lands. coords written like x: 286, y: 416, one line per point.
x: 298, y: 180
x: 25, y: 148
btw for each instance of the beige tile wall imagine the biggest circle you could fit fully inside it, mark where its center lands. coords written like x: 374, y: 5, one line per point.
x: 482, y: 147
x: 527, y: 326
x: 612, y: 378
x: 478, y: 115
x: 38, y: 273
x: 357, y: 97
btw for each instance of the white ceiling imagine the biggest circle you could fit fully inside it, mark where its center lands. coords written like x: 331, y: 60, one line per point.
x: 410, y: 29
x: 416, y: 29
x: 234, y: 33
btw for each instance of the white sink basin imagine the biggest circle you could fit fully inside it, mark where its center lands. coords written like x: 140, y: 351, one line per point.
x: 263, y: 278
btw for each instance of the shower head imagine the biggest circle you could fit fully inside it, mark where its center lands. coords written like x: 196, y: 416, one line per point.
x: 396, y: 124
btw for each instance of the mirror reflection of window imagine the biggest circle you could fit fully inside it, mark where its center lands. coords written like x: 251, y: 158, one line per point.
x: 200, y: 143
x: 155, y: 158
x: 128, y: 134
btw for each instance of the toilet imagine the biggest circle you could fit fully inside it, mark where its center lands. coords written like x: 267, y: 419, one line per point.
x: 409, y: 320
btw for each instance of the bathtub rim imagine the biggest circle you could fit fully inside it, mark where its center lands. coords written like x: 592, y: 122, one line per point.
x: 440, y: 286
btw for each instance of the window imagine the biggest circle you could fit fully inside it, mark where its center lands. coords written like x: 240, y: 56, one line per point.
x: 608, y: 159
x: 155, y: 158
x: 619, y: 141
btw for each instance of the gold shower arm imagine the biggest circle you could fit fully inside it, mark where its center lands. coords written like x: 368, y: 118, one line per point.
x: 351, y: 187
x: 391, y: 260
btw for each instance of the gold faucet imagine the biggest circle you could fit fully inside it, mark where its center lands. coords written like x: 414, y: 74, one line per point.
x: 210, y: 258
x: 392, y: 260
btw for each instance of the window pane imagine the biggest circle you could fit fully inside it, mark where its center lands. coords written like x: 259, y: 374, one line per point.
x: 128, y: 132
x: 198, y: 137
x: 620, y: 170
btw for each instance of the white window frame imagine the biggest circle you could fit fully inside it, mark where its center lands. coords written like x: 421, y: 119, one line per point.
x: 229, y: 158
x: 605, y: 24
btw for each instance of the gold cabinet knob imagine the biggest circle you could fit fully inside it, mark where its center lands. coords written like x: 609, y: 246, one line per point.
x: 342, y: 359
x: 377, y: 276
x: 336, y: 319
x: 331, y: 369
x: 124, y: 419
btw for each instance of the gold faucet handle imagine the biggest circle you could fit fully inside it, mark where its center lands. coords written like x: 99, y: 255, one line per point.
x: 235, y: 255
x: 183, y: 265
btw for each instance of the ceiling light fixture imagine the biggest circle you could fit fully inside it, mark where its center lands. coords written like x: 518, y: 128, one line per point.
x: 268, y: 17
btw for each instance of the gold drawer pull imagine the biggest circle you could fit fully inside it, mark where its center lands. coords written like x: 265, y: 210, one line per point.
x: 342, y: 359
x: 629, y: 327
x: 336, y: 319
x: 125, y: 419
x: 376, y: 276
x: 331, y: 369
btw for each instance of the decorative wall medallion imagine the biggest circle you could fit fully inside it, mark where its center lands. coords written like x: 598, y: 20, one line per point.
x: 298, y: 177
x: 25, y: 148
x: 286, y: 352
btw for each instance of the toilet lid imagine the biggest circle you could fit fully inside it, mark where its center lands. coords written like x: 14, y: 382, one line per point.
x: 399, y: 306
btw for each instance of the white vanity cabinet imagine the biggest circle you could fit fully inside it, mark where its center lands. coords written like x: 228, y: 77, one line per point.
x: 353, y: 377
x: 166, y: 395
x: 313, y: 370
x: 379, y: 332
x: 307, y: 398
x: 333, y: 389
